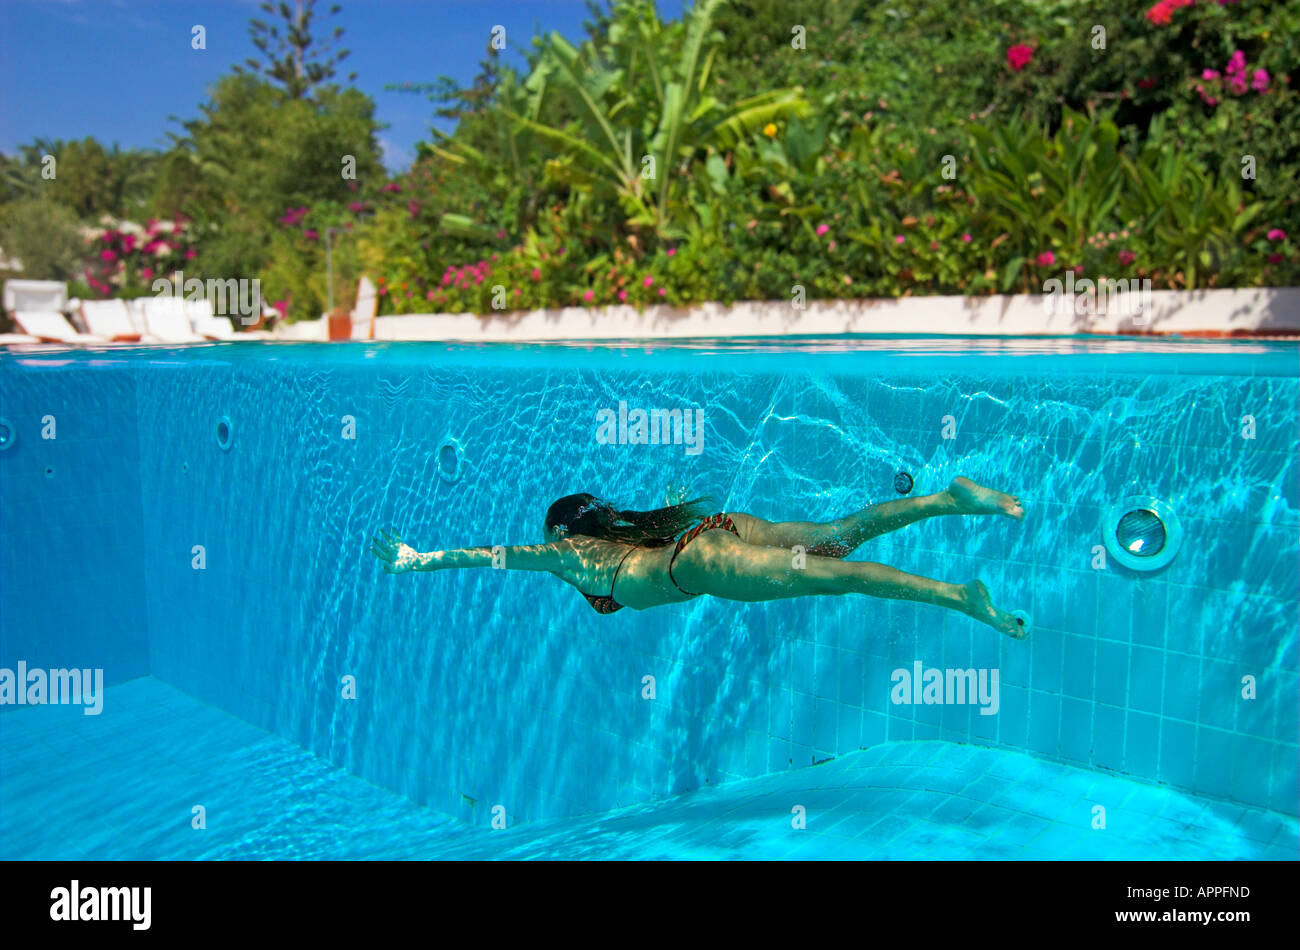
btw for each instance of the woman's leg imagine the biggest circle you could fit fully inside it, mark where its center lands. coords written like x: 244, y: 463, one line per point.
x: 719, y: 563
x: 841, y: 537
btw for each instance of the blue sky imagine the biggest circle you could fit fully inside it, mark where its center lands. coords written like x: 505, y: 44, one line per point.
x: 119, y: 69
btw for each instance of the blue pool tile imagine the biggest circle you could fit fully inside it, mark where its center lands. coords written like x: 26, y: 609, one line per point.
x: 1252, y: 770
x: 825, y: 724
x: 1114, y: 606
x: 849, y: 732
x: 1076, y: 729
x: 1013, y: 716
x: 1149, y: 604
x: 1182, y: 686
x: 1142, y: 743
x: 1177, y: 753
x: 1288, y: 710
x: 1108, y: 737
x: 1112, y: 672
x: 1284, y: 796
x: 1015, y: 660
x: 1184, y: 621
x: 874, y: 728
x: 1044, y: 722
x: 1146, y: 679
x: 1079, y: 666
x: 1048, y: 657
x: 1219, y: 694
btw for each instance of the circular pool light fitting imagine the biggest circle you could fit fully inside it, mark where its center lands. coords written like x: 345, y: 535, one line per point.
x: 1142, y: 533
x: 8, y: 434
x: 49, y: 471
x: 451, y: 460
x: 903, y: 483
x: 225, y: 433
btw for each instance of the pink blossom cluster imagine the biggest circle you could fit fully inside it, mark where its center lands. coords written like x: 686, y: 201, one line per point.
x: 462, y: 277
x: 292, y: 217
x: 1236, y: 79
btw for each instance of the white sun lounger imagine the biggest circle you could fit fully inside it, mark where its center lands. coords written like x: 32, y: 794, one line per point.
x: 111, y: 320
x: 206, y: 323
x: 165, y: 319
x: 53, y: 327
x: 35, y: 296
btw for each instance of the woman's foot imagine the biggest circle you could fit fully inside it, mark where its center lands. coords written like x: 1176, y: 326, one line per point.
x: 972, y: 499
x: 980, y: 606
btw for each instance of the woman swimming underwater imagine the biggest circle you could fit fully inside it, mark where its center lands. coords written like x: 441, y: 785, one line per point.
x: 646, y: 559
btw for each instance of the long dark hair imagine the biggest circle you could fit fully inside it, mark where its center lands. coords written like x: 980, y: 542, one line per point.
x: 593, y: 517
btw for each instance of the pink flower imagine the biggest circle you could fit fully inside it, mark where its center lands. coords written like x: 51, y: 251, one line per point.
x: 1210, y: 74
x: 1146, y: 83
x: 934, y: 245
x: 147, y: 273
x: 1046, y: 259
x: 1277, y: 234
x: 900, y: 239
x: 589, y: 296
x: 310, y: 235
x: 966, y: 238
x: 831, y: 246
x: 190, y: 254
x: 1260, y: 81
x: 1275, y: 258
x: 822, y: 229
x: 649, y: 281
x: 662, y: 292
x: 537, y: 273
x: 356, y: 207
x: 672, y: 251
x: 1126, y: 258
x: 1237, y: 63
x: 501, y: 234
x: 429, y: 295
x: 622, y: 295
x: 1018, y: 56
x: 108, y: 255
x: 413, y: 207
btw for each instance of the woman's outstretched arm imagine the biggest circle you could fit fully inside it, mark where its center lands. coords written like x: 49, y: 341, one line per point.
x: 398, y: 557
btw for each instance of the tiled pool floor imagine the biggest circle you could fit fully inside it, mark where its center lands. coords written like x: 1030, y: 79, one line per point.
x: 123, y: 786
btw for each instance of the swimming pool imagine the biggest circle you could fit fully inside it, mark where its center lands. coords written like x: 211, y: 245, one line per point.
x: 194, y: 522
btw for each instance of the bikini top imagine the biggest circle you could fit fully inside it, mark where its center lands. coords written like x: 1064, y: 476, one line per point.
x: 608, y: 605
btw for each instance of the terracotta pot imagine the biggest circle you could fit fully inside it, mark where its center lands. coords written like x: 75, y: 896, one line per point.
x: 340, y: 325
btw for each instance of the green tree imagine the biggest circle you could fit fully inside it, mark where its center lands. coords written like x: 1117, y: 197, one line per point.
x: 291, y: 56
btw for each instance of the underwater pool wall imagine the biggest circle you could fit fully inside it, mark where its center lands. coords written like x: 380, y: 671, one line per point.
x: 72, y: 590
x: 484, y: 687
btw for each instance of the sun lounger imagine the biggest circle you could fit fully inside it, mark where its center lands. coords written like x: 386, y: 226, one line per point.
x: 52, y: 327
x: 109, y: 319
x: 35, y: 296
x: 165, y: 319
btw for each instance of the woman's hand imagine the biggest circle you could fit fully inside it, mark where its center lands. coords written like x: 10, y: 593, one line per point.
x: 398, y: 557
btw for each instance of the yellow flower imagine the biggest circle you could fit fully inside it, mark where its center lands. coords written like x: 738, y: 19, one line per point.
x: 770, y: 130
